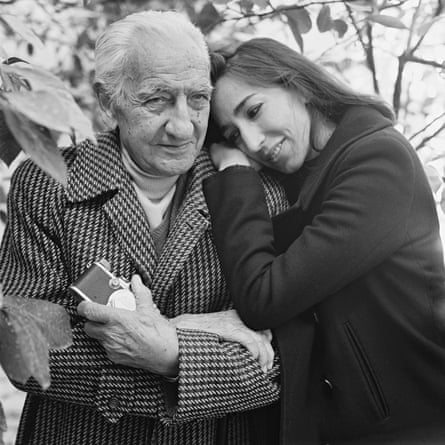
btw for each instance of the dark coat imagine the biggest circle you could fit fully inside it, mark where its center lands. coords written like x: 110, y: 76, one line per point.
x: 351, y: 278
x: 52, y: 236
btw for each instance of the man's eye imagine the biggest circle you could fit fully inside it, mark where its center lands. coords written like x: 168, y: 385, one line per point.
x: 156, y: 100
x: 199, y: 99
x: 253, y: 111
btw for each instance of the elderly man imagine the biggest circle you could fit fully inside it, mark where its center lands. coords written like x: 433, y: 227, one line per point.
x: 135, y: 199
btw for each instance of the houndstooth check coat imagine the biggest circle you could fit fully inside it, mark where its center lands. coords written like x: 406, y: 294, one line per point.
x: 53, y: 235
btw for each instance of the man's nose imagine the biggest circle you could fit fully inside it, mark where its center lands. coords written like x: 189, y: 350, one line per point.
x: 179, y: 124
x: 252, y: 138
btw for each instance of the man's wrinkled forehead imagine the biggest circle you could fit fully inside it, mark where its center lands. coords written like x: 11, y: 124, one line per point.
x: 170, y: 68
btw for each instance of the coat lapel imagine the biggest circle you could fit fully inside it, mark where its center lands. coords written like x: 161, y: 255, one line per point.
x: 98, y: 173
x: 191, y: 222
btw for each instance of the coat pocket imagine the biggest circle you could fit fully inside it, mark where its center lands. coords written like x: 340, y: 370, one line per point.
x: 367, y: 372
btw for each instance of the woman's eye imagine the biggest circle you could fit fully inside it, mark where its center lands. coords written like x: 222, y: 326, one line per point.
x: 253, y: 111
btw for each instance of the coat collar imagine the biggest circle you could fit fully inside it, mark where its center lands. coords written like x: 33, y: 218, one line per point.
x: 357, y: 122
x: 97, y: 168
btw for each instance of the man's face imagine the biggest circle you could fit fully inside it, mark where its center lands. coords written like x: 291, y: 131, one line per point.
x: 164, y: 123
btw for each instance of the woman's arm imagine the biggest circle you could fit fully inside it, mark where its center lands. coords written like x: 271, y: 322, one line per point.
x: 362, y: 220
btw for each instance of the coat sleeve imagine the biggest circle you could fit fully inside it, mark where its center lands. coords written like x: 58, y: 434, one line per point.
x: 362, y: 220
x: 32, y: 266
x: 217, y: 378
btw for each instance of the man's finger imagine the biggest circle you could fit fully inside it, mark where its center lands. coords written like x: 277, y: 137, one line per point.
x: 94, y: 330
x: 94, y: 311
x: 144, y: 299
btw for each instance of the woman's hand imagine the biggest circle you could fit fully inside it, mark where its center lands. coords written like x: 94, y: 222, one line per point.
x: 224, y: 156
x: 229, y: 326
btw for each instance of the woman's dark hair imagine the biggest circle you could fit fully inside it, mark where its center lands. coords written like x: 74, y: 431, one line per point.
x: 266, y: 63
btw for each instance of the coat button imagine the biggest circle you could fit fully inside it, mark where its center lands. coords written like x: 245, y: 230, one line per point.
x: 328, y: 385
x: 114, y: 403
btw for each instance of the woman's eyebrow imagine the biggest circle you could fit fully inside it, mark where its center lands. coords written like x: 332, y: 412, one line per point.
x: 238, y: 108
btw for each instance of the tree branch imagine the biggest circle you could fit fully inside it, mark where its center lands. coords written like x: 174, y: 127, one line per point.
x: 370, y: 58
x: 425, y: 140
x: 426, y: 126
x: 411, y: 58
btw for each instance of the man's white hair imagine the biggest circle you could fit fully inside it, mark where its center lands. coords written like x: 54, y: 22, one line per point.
x: 117, y: 46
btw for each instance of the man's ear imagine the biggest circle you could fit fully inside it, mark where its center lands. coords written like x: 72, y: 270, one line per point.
x: 104, y: 101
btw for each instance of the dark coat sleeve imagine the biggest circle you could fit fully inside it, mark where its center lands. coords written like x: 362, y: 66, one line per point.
x: 362, y: 220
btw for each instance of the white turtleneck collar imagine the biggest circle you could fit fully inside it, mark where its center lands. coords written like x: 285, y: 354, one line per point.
x: 155, y: 193
x: 154, y: 187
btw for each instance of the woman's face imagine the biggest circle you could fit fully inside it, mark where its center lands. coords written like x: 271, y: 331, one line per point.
x: 271, y: 125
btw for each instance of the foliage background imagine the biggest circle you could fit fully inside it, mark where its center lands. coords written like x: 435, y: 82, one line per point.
x: 391, y: 47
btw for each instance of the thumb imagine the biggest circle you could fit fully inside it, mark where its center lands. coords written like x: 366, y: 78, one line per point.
x: 144, y: 299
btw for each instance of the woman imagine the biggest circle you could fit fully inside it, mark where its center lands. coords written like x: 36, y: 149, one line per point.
x: 351, y: 277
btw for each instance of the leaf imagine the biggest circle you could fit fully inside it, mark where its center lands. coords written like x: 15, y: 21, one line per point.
x: 23, y: 349
x: 38, y: 144
x: 56, y: 97
x: 324, y: 20
x: 9, y: 148
x: 293, y: 25
x: 37, y: 78
x: 386, y: 20
x: 28, y: 328
x: 18, y: 27
x: 41, y: 107
x: 302, y: 18
x: 340, y: 26
x: 51, y: 318
x: 208, y: 18
x: 261, y: 3
x: 246, y: 6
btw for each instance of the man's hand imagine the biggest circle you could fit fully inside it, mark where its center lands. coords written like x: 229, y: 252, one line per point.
x: 229, y: 326
x: 142, y: 338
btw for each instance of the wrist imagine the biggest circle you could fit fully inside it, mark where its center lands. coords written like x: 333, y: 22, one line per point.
x: 233, y: 163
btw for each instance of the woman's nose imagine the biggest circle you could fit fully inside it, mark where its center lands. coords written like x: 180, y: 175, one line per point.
x: 252, y: 139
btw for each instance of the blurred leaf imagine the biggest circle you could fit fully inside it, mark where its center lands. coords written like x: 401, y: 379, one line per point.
x: 23, y: 349
x: 51, y: 318
x: 293, y: 25
x: 20, y: 28
x: 38, y: 144
x: 27, y: 332
x: 38, y: 78
x: 9, y: 148
x: 261, y: 3
x: 246, y: 5
x: 51, y: 97
x: 302, y: 18
x: 340, y: 26
x: 324, y: 20
x: 386, y: 20
x: 207, y: 18
x: 41, y: 107
x: 3, y: 426
x: 425, y: 27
